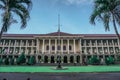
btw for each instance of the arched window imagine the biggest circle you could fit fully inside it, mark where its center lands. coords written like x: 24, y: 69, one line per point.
x: 64, y: 47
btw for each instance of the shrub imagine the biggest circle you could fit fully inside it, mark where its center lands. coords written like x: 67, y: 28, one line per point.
x: 11, y: 61
x: 1, y: 61
x: 6, y: 61
x: 21, y: 59
x: 31, y: 60
x: 109, y: 60
x: 94, y: 60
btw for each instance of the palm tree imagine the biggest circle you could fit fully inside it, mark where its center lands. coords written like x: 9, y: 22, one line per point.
x: 107, y: 11
x: 10, y: 8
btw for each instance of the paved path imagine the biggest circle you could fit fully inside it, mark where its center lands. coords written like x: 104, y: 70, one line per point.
x: 60, y: 76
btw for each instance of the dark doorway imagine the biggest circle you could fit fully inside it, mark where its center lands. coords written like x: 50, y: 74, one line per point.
x: 65, y: 59
x: 71, y: 59
x: 78, y: 59
x: 27, y: 58
x: 52, y: 59
x: 10, y: 56
x: 4, y: 56
x: 39, y: 59
x: 45, y: 59
x: 88, y: 57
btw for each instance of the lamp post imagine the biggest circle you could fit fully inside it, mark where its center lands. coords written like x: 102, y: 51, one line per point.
x: 59, y: 57
x: 59, y: 62
x: 59, y: 66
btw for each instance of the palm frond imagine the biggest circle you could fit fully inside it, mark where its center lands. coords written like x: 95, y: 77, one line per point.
x: 2, y: 7
x: 22, y: 17
x: 106, y: 20
x: 117, y: 18
x: 26, y: 2
x: 3, y: 1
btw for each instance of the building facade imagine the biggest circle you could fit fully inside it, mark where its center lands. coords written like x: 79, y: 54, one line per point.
x: 73, y: 48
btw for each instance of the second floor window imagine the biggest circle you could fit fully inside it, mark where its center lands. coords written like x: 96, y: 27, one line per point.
x: 70, y: 47
x: 64, y: 48
x: 47, y: 47
x: 53, y: 47
x: 58, y: 48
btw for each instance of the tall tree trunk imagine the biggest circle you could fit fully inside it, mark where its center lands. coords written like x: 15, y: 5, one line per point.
x: 116, y: 31
x: 1, y: 32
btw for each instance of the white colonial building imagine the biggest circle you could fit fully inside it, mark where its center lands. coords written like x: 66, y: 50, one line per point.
x: 73, y: 48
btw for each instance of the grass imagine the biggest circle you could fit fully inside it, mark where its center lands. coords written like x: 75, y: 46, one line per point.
x: 33, y: 69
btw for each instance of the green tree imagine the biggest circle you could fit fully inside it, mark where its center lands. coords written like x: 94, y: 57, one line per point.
x: 6, y: 61
x: 31, y: 60
x: 107, y: 11
x: 94, y: 60
x: 109, y: 60
x: 1, y: 61
x: 11, y: 61
x: 10, y: 8
x: 21, y: 59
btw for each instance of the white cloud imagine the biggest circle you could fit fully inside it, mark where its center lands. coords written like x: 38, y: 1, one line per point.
x: 76, y: 2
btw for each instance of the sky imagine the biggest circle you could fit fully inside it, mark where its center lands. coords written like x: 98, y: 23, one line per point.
x: 74, y: 18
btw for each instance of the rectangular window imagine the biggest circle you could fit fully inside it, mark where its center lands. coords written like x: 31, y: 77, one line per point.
x: 64, y: 48
x: 47, y: 47
x: 70, y: 48
x: 58, y: 48
x: 53, y: 48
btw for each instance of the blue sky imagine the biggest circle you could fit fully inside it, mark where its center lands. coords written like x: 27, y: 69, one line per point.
x: 74, y: 17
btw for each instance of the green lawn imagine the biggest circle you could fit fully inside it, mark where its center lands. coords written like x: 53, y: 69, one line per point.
x: 70, y: 69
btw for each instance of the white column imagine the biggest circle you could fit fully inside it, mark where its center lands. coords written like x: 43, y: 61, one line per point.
x: 91, y: 47
x: 3, y: 43
x: 49, y: 46
x: 96, y: 47
x: 85, y: 48
x: 108, y: 47
x: 55, y: 46
x: 26, y: 43
x: 32, y: 48
x: 38, y: 45
x: 20, y: 46
x: 113, y: 47
x: 80, y: 46
x: 26, y: 51
x: 74, y: 46
x: 62, y: 46
x: 9, y: 46
x: 102, y: 46
x: 43, y: 46
x: 14, y: 47
x: 68, y: 45
x: 80, y: 51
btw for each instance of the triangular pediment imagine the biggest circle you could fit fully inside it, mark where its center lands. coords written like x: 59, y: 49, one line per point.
x: 57, y: 33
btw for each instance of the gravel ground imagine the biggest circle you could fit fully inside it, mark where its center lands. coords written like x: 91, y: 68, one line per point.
x: 60, y: 76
